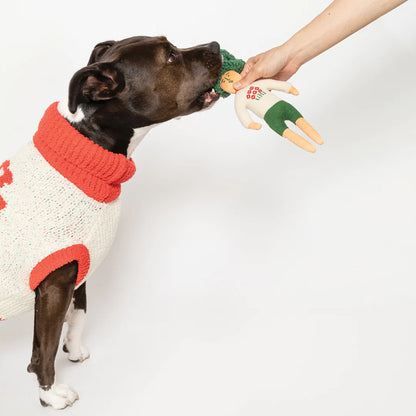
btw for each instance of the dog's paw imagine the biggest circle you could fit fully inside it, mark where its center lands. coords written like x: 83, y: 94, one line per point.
x: 76, y: 353
x: 58, y: 396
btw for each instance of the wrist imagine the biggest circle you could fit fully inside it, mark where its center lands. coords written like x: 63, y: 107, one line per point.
x: 293, y: 54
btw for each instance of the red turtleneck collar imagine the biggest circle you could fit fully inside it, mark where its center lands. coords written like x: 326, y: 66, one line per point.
x: 96, y: 171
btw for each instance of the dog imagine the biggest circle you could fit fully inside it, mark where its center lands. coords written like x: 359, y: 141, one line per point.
x: 59, y: 202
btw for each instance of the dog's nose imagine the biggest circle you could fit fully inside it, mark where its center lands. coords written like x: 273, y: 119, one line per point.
x: 214, y: 47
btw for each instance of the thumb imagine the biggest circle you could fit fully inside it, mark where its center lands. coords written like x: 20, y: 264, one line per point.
x: 249, y: 77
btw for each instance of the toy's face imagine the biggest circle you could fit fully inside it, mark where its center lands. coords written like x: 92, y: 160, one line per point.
x: 227, y: 81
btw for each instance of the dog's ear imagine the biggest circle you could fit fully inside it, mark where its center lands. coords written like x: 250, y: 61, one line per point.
x: 99, y: 50
x: 96, y: 82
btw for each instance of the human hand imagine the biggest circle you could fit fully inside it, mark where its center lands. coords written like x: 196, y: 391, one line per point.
x: 339, y: 20
x: 274, y: 64
x: 254, y: 126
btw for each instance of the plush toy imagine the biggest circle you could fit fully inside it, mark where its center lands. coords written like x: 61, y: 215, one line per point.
x: 258, y: 98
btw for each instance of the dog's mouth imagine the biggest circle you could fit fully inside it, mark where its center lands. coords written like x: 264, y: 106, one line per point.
x: 208, y: 98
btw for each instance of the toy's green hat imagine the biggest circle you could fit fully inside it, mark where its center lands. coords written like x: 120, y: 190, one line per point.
x: 229, y: 62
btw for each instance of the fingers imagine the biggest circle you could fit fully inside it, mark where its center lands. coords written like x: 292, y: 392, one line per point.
x: 298, y: 140
x: 250, y: 74
x: 247, y: 67
x: 309, y: 130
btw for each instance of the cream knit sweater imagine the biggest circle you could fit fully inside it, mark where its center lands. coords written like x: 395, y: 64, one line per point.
x: 58, y: 203
x: 257, y: 98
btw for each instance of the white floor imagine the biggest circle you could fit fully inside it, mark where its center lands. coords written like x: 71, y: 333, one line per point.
x: 249, y: 277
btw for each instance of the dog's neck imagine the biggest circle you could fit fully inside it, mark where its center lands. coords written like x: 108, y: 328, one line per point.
x: 117, y: 136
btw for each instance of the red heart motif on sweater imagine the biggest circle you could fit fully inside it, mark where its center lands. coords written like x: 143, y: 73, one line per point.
x: 6, y: 177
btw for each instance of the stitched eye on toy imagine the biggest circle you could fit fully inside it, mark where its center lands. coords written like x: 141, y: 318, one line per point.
x: 172, y: 57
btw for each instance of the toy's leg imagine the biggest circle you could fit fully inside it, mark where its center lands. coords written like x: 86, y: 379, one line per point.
x: 309, y: 130
x: 298, y: 140
x: 275, y: 118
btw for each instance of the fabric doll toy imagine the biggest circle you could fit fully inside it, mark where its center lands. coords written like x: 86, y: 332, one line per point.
x: 258, y: 98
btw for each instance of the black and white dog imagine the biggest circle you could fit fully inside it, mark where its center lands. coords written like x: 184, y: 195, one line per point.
x: 127, y: 87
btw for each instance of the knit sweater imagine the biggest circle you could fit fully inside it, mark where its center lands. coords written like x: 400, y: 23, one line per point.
x: 58, y: 203
x: 258, y: 98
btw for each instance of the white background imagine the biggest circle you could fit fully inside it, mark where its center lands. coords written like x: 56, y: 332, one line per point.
x: 248, y: 277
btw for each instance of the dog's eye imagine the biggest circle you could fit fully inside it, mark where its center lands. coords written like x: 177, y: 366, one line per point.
x: 172, y: 57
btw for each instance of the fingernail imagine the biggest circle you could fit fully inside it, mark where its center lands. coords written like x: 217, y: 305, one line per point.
x: 237, y: 85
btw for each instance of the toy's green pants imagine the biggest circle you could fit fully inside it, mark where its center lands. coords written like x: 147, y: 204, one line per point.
x: 276, y: 116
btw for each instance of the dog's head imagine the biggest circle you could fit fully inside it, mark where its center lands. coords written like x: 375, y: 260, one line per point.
x: 146, y: 80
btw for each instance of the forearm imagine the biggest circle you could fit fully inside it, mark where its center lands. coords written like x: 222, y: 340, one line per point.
x: 339, y: 20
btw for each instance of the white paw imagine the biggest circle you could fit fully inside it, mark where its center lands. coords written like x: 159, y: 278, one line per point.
x: 58, y: 396
x: 76, y: 352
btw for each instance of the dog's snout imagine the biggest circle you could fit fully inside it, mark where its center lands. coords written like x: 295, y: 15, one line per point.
x: 214, y: 47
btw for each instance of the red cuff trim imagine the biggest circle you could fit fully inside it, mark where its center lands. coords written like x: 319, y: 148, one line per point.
x: 58, y: 259
x: 93, y: 169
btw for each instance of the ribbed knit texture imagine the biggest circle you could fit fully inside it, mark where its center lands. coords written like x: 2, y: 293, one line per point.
x: 58, y: 203
x: 93, y: 169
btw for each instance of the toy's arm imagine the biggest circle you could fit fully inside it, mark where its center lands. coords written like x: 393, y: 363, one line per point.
x: 272, y: 84
x: 243, y: 115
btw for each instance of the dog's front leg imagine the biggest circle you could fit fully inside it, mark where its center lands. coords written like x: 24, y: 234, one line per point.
x: 75, y: 319
x: 53, y: 297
